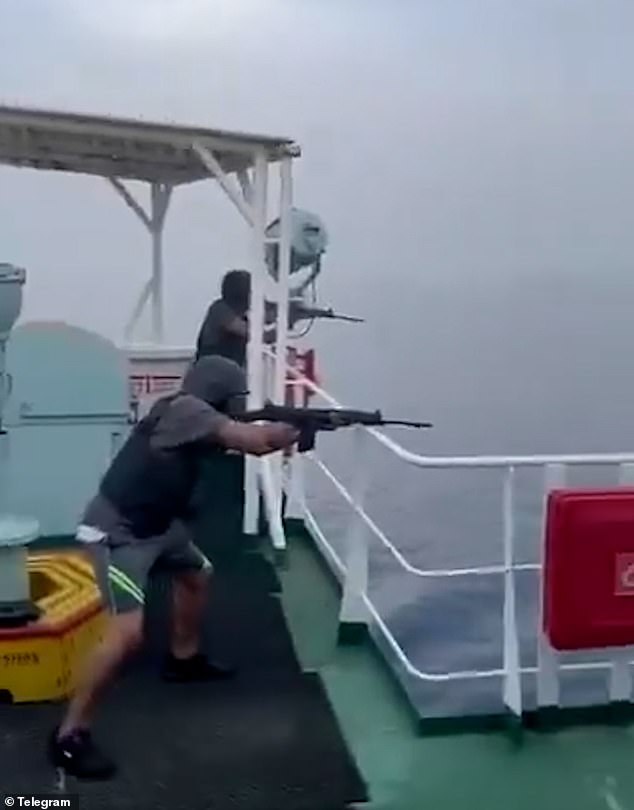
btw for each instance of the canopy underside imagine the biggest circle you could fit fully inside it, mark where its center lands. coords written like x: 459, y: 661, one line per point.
x: 125, y: 148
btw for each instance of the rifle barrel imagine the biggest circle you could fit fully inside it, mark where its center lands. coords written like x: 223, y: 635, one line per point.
x: 405, y: 423
x: 315, y: 312
x: 350, y: 318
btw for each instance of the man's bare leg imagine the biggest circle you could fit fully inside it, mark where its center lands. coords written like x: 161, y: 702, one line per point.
x: 189, y: 600
x: 70, y: 747
x: 187, y: 661
x: 123, y: 637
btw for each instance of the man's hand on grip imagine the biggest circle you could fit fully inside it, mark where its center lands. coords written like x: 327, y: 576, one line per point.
x: 258, y: 440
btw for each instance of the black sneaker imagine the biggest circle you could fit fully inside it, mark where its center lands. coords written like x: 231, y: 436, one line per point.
x: 196, y: 668
x: 77, y: 755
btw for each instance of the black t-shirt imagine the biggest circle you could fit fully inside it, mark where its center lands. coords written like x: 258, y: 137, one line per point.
x: 215, y: 338
x: 186, y: 421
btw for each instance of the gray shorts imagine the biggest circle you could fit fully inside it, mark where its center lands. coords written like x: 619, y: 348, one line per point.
x: 122, y: 566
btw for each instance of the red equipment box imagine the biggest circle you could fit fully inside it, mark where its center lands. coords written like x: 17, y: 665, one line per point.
x: 588, y: 577
x: 297, y: 394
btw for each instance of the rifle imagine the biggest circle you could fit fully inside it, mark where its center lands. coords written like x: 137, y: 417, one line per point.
x: 299, y: 312
x: 308, y: 421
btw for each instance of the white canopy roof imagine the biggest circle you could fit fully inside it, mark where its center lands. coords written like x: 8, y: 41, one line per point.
x: 124, y: 148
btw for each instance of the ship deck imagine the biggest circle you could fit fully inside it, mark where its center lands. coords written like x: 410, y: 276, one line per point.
x: 580, y: 767
x: 266, y: 739
x: 310, y: 723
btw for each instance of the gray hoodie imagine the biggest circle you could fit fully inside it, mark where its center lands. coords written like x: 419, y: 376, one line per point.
x: 208, y: 387
x: 212, y: 387
x: 216, y: 380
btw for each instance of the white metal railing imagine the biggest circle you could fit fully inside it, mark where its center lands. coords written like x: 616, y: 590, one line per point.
x: 353, y: 571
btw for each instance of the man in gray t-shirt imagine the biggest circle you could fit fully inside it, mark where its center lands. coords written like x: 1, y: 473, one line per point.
x: 139, y: 519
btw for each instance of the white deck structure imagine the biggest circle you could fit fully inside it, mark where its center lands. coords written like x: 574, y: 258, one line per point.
x: 166, y: 156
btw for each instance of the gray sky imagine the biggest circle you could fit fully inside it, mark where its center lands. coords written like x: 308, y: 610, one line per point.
x: 446, y: 142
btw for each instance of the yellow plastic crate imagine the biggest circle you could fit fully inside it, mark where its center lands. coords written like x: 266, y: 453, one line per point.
x: 41, y: 661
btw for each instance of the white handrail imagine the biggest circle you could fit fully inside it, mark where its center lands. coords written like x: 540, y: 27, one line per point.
x: 354, y: 573
x: 429, y: 677
x: 405, y: 564
x: 433, y: 462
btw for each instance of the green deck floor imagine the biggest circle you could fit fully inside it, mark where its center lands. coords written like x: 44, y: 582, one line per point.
x: 575, y: 769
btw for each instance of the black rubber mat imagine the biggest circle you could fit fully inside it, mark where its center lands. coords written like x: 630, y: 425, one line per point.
x: 266, y: 741
x: 249, y: 563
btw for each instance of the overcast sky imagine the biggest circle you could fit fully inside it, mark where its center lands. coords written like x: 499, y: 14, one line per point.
x: 445, y: 142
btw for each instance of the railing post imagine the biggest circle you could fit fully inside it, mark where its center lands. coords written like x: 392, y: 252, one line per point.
x: 353, y: 619
x: 620, y: 687
x: 295, y: 494
x: 512, y: 675
x: 547, y: 657
x: 272, y: 505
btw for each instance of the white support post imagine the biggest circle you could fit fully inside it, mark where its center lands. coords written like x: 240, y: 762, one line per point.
x: 256, y: 314
x: 353, y: 608
x: 512, y: 672
x: 144, y: 297
x: 160, y: 200
x: 282, y: 290
x: 255, y: 360
x: 283, y: 280
x: 160, y: 197
x: 246, y: 185
x: 212, y: 165
x: 129, y: 200
x: 547, y: 657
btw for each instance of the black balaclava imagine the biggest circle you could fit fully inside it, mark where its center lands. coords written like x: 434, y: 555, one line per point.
x: 236, y: 290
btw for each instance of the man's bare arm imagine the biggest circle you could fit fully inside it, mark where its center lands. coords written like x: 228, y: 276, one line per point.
x: 237, y: 326
x: 189, y: 419
x: 256, y: 440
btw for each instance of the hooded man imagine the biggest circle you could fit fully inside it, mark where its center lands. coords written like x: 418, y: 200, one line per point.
x: 139, y: 520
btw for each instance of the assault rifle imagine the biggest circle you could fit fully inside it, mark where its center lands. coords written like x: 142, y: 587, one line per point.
x: 299, y: 312
x: 309, y: 421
